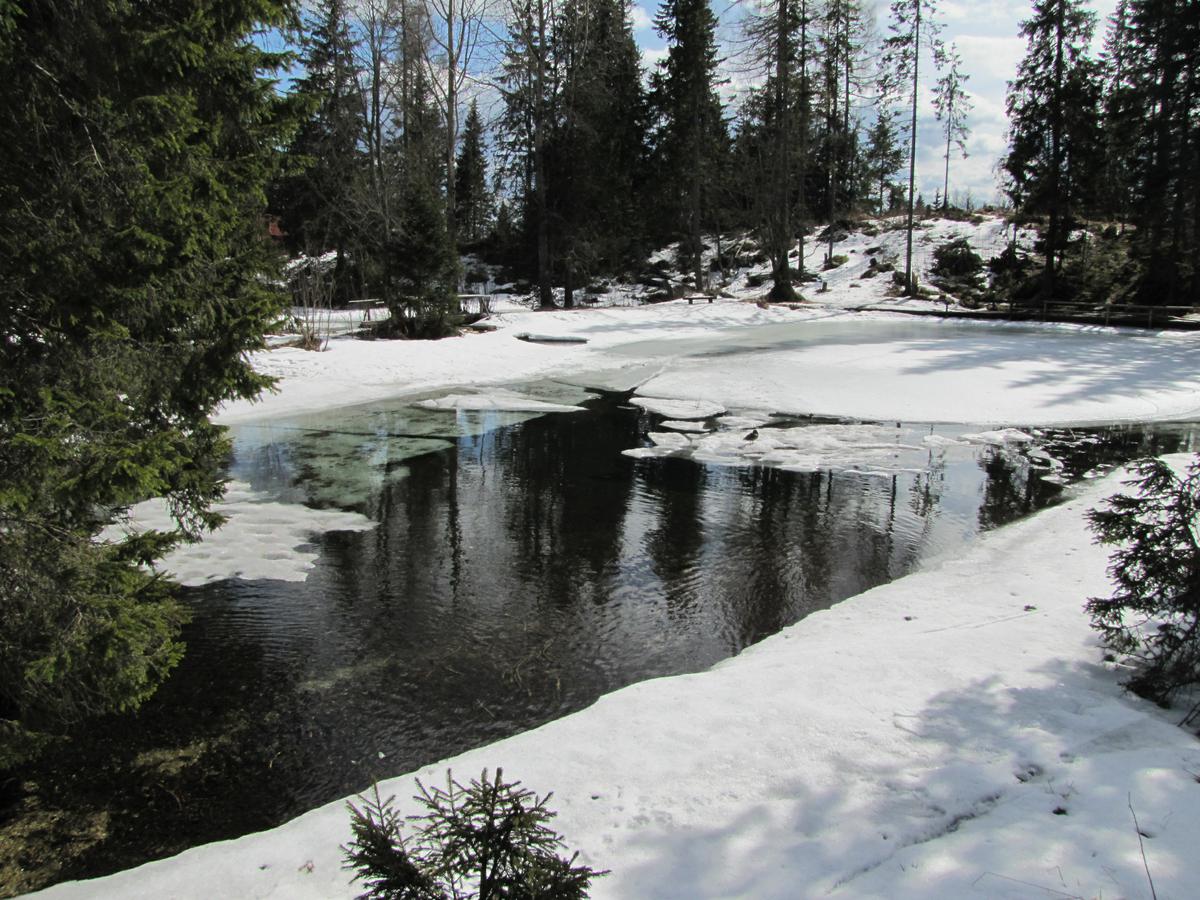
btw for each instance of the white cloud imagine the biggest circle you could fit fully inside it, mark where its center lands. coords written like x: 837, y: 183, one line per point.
x: 642, y: 20
x: 988, y: 57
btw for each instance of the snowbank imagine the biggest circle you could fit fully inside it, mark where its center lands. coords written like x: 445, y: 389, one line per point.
x: 951, y: 734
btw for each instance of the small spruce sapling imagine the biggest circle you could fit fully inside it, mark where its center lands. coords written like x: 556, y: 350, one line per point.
x: 486, y: 841
x: 1153, y: 618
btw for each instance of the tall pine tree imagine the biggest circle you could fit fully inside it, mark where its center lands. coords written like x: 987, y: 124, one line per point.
x: 842, y: 40
x: 317, y: 202
x: 598, y: 145
x: 1120, y: 120
x: 690, y: 139
x: 530, y: 90
x: 138, y: 140
x: 952, y: 105
x: 775, y: 136
x: 884, y: 156
x: 1166, y: 78
x: 471, y: 196
x: 914, y: 26
x: 1053, y: 122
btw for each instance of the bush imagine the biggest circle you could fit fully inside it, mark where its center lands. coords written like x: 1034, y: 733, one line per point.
x: 486, y: 841
x: 956, y: 259
x: 1153, y: 619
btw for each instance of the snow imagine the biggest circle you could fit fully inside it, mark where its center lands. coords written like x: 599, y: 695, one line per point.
x: 873, y: 449
x: 509, y: 401
x: 999, y: 437
x: 940, y: 371
x: 914, y: 741
x: 952, y: 734
x: 816, y: 358
x: 261, y: 538
x: 676, y: 425
x: 679, y: 409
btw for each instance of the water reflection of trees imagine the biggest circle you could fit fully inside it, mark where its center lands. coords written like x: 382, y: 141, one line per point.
x: 1008, y: 489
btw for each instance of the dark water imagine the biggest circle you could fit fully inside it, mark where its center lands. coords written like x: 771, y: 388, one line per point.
x: 521, y: 568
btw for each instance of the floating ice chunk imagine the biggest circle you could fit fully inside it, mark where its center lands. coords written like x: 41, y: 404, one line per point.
x: 1042, y: 458
x: 261, y: 538
x: 694, y: 427
x: 869, y: 449
x: 938, y: 440
x: 743, y: 421
x: 1001, y: 436
x: 669, y: 440
x: 647, y: 452
x: 679, y: 409
x: 550, y: 338
x: 509, y: 401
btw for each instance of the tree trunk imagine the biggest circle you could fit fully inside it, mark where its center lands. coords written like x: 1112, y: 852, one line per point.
x: 909, y: 286
x: 451, y: 123
x: 1053, y: 238
x: 946, y: 180
x: 781, y: 281
x: 545, y: 289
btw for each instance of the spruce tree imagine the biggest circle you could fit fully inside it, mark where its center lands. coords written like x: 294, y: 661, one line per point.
x: 914, y: 25
x: 952, y: 105
x: 1166, y: 75
x: 1054, y: 117
x: 885, y: 154
x: 776, y: 134
x: 690, y: 138
x: 841, y: 41
x: 420, y: 260
x: 137, y: 145
x: 598, y: 145
x: 1121, y: 118
x: 529, y: 84
x: 471, y: 197
x: 316, y: 202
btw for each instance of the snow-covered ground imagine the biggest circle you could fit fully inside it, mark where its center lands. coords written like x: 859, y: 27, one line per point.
x: 952, y: 734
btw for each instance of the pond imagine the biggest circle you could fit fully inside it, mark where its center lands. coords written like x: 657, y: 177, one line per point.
x: 520, y: 567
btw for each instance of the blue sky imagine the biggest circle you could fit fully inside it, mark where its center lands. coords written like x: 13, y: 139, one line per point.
x: 987, y: 34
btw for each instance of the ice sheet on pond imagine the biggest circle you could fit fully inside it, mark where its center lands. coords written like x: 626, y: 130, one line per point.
x: 1000, y: 436
x: 867, y: 448
x: 670, y: 440
x: 679, y: 425
x: 744, y: 420
x: 679, y: 409
x: 261, y: 538
x: 941, y: 440
x: 504, y: 400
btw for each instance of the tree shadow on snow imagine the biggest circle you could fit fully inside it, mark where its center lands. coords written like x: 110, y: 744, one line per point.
x: 989, y: 791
